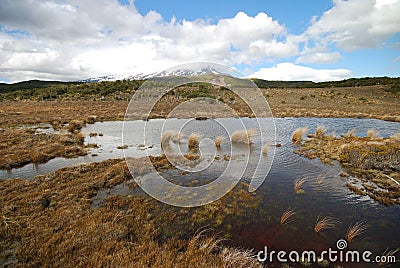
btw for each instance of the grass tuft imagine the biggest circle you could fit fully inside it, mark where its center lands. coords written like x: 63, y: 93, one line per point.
x: 265, y: 149
x: 243, y: 136
x: 218, y: 141
x: 326, y: 222
x: 320, y: 131
x: 355, y: 230
x: 297, y: 135
x: 194, y: 141
x: 298, y: 184
x: 373, y: 134
x: 287, y: 216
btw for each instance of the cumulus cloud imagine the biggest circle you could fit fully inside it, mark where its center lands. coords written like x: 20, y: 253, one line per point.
x: 78, y: 39
x: 319, y: 57
x: 291, y: 72
x: 356, y: 24
x: 71, y: 39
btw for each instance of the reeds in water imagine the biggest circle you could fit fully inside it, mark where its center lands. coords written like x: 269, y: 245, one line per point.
x: 265, y: 149
x: 326, y: 222
x: 298, y: 184
x: 194, y: 141
x: 297, y: 135
x: 287, y: 216
x: 320, y: 132
x: 355, y: 230
x: 218, y: 141
x: 166, y: 138
x: 373, y: 134
x: 243, y: 136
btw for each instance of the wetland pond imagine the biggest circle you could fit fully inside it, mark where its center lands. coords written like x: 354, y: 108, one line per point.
x: 261, y: 227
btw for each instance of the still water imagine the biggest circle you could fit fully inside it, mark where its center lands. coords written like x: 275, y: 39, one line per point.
x: 263, y: 228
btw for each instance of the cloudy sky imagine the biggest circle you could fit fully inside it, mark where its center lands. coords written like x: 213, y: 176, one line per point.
x: 278, y: 40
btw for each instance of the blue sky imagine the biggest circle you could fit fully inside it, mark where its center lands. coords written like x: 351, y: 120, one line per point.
x: 277, y: 40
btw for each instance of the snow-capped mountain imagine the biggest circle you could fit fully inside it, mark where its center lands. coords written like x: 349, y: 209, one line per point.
x: 171, y: 72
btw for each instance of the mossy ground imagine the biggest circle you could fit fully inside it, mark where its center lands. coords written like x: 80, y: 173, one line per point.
x: 374, y: 161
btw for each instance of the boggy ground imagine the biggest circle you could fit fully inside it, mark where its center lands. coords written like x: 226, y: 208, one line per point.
x: 373, y: 160
x: 51, y: 221
x: 20, y: 146
x: 364, y: 102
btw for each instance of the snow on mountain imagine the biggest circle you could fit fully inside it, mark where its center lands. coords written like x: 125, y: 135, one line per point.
x: 176, y: 72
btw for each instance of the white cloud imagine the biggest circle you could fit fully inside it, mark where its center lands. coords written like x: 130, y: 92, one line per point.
x: 319, y: 57
x: 291, y: 72
x: 97, y: 37
x: 356, y: 24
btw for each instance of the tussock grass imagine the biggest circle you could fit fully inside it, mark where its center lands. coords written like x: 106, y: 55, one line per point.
x: 218, y: 141
x: 265, y: 149
x: 350, y: 133
x: 194, y: 141
x: 320, y: 131
x: 167, y: 137
x: 243, y: 136
x: 355, y: 230
x: 373, y: 134
x: 324, y: 223
x: 287, y: 216
x: 298, y: 184
x: 297, y: 135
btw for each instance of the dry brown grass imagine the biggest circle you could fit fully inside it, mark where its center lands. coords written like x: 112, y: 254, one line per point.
x: 167, y: 137
x: 287, y: 216
x: 19, y: 147
x: 243, y: 136
x: 373, y: 134
x: 320, y: 131
x: 51, y: 221
x: 265, y: 149
x: 324, y: 223
x: 194, y: 141
x: 298, y: 184
x: 350, y: 133
x: 218, y: 141
x: 297, y: 135
x: 355, y: 230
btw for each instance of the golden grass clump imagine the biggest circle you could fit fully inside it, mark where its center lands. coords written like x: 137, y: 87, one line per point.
x: 243, y: 136
x: 373, y: 134
x: 326, y: 222
x: 350, y: 133
x: 218, y: 141
x: 287, y: 216
x: 265, y: 149
x: 167, y: 137
x: 298, y: 184
x: 194, y: 141
x: 297, y: 135
x: 355, y: 230
x: 320, y: 131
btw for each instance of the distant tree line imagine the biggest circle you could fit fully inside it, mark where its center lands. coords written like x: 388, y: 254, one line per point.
x: 49, y: 90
